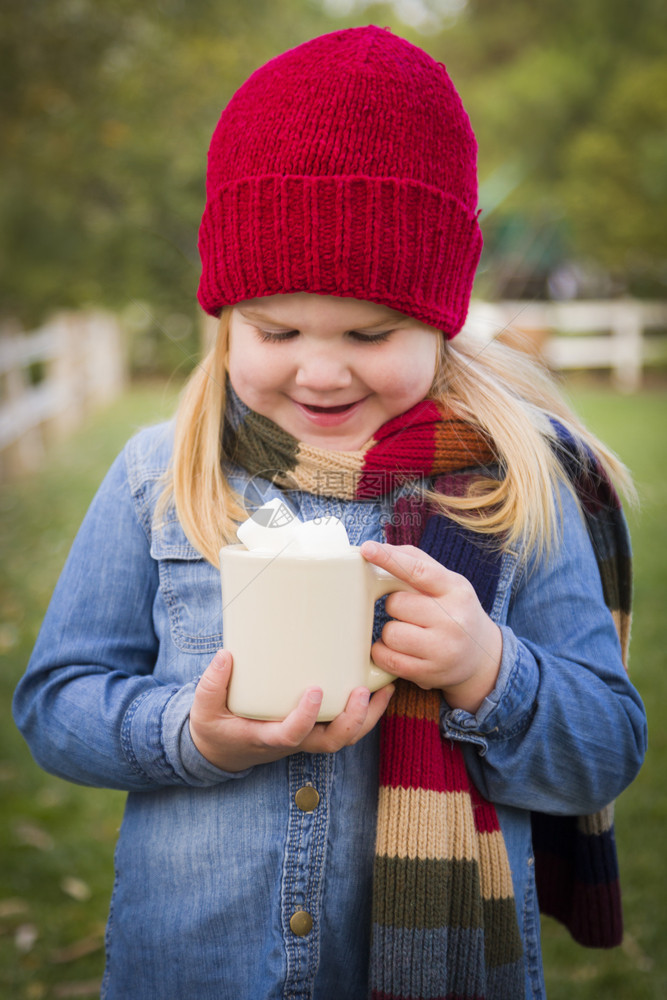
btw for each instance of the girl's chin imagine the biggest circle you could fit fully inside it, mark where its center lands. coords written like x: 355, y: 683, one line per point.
x: 333, y: 442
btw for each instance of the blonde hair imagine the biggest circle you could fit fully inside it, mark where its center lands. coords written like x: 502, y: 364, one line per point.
x: 207, y: 507
x: 499, y: 390
x: 510, y: 397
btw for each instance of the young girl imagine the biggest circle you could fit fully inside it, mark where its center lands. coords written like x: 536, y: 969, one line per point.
x: 399, y: 848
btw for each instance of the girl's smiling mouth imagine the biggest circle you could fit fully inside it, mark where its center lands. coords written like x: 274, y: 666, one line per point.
x: 328, y: 416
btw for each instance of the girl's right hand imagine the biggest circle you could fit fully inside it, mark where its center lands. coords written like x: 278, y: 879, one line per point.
x: 233, y: 744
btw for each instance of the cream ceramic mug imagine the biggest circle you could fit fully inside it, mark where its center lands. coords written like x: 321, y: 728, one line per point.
x: 298, y: 621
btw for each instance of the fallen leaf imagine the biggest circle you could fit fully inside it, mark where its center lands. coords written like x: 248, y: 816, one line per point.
x: 49, y: 797
x: 9, y: 636
x: 13, y: 907
x: 68, y: 991
x: 76, y: 888
x: 33, y: 836
x: 636, y: 954
x: 35, y: 991
x: 25, y: 936
x: 86, y: 946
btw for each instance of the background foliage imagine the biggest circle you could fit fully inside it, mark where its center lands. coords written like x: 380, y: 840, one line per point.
x: 108, y: 107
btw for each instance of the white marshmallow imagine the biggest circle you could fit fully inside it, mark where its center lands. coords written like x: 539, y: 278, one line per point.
x: 273, y: 528
x: 323, y: 536
x: 270, y: 528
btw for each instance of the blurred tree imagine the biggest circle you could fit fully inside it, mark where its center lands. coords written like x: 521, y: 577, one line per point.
x: 614, y: 185
x: 108, y: 108
x: 569, y: 104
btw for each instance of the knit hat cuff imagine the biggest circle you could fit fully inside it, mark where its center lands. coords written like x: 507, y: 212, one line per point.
x: 397, y: 242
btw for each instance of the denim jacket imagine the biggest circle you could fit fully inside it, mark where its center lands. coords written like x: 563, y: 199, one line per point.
x: 210, y: 866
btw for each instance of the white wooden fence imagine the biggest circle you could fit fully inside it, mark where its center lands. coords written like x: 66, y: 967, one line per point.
x: 622, y: 335
x: 51, y: 379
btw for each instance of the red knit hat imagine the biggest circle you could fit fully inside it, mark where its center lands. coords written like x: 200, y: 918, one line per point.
x: 345, y: 166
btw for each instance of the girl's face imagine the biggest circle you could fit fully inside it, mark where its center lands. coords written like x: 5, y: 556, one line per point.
x: 329, y: 370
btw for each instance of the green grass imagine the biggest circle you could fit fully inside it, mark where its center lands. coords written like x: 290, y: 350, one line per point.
x: 634, y: 426
x: 57, y: 840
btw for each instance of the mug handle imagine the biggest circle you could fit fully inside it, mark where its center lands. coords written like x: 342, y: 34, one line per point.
x: 385, y: 583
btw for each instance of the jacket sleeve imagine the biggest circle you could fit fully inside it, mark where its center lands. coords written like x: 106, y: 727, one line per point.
x: 88, y: 705
x: 564, y: 731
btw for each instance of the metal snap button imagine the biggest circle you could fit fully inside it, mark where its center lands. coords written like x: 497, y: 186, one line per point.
x: 307, y: 798
x: 301, y: 923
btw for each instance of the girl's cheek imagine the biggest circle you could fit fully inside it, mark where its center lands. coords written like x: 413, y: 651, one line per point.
x: 252, y: 369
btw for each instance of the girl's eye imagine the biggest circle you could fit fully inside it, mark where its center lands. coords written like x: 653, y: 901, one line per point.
x: 369, y: 338
x: 275, y: 336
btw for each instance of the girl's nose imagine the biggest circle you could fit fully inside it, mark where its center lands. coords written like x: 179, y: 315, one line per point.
x: 323, y: 371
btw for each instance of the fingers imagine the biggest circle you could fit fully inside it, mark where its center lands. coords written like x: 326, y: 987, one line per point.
x: 345, y: 728
x: 293, y: 730
x: 209, y: 708
x: 234, y: 743
x: 376, y: 709
x: 410, y: 667
x: 418, y: 609
x: 360, y: 716
x: 408, y: 639
x: 410, y: 565
x: 213, y: 685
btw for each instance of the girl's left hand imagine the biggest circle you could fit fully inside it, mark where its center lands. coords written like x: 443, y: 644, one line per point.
x: 441, y: 637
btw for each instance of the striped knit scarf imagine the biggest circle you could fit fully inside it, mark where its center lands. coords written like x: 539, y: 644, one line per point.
x: 444, y: 917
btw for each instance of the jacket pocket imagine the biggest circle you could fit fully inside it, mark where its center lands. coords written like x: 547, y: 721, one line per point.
x: 190, y: 588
